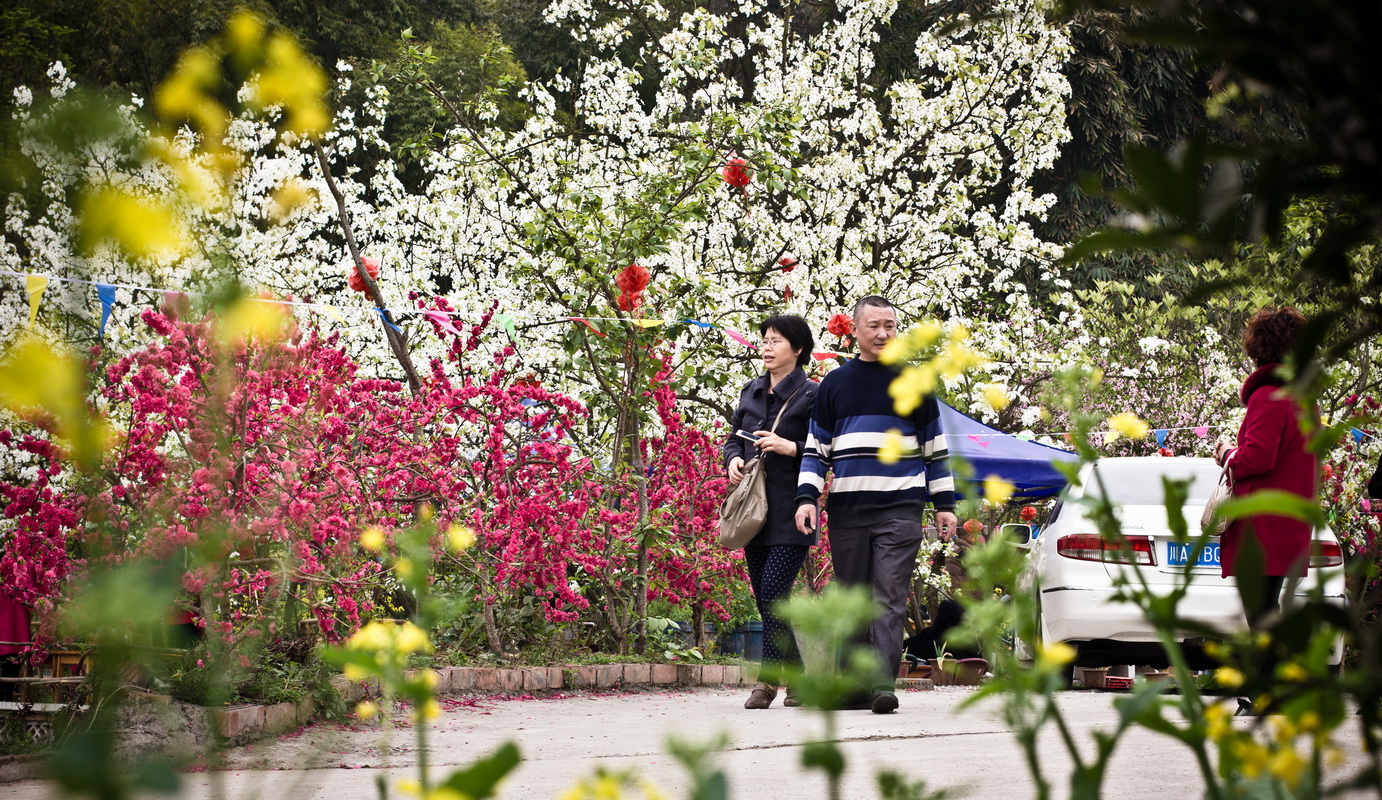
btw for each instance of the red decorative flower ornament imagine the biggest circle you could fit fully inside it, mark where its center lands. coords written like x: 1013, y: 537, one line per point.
x: 787, y: 263
x: 1328, y: 472
x: 632, y: 280
x: 974, y: 527
x: 735, y: 172
x: 356, y: 282
x: 840, y: 325
x: 1166, y: 452
x: 1028, y: 513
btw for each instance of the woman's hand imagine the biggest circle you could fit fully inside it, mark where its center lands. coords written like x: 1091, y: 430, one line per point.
x: 735, y: 470
x: 1222, y: 449
x: 769, y: 442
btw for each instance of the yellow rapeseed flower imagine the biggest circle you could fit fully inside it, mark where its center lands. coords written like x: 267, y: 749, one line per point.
x: 373, y: 637
x: 1216, y: 718
x: 998, y: 491
x: 1128, y: 426
x: 410, y: 787
x: 250, y: 319
x: 355, y: 672
x: 1251, y: 756
x: 366, y: 710
x: 909, y: 388
x: 996, y: 396
x: 1228, y: 677
x: 404, y: 567
x: 429, y: 678
x: 412, y: 639
x: 372, y: 539
x: 140, y: 227
x: 892, y: 450
x: 1293, y: 671
x: 1287, y: 765
x: 460, y: 537
x: 429, y: 710
x: 1055, y: 654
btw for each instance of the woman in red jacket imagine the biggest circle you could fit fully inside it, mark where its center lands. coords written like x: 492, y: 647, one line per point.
x: 1271, y: 454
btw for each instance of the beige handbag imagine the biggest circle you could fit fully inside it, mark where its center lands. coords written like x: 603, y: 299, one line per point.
x: 745, y: 509
x: 1223, y: 490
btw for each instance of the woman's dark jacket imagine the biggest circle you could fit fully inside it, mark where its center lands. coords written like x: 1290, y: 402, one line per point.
x: 756, y: 411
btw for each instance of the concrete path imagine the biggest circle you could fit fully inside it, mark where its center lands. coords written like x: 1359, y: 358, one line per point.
x: 566, y: 736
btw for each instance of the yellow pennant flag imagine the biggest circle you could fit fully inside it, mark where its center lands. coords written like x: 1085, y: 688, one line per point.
x: 648, y: 323
x: 36, y: 284
x: 333, y: 313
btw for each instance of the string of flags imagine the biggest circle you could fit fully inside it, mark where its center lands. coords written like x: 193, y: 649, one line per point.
x: 35, y: 285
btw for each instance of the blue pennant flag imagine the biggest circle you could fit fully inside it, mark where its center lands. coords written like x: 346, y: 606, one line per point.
x: 1160, y: 434
x: 1357, y: 436
x: 385, y: 317
x: 106, y: 293
x: 698, y: 323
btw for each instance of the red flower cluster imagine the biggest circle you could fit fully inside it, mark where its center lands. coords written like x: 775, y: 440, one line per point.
x: 840, y: 325
x: 735, y: 172
x: 1028, y: 513
x: 1166, y: 452
x: 632, y: 280
x: 974, y: 527
x: 356, y: 282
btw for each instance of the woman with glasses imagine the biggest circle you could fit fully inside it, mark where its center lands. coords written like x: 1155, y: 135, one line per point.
x: 775, y: 555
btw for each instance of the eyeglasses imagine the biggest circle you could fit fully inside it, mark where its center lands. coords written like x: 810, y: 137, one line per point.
x: 771, y: 342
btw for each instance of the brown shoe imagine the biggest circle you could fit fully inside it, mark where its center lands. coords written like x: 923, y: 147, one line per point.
x: 791, y: 700
x: 761, y: 696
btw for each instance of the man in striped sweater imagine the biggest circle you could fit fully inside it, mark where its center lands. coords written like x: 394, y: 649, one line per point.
x: 875, y: 508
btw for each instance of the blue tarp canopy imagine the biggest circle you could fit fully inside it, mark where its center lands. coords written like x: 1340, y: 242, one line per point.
x: 1029, y: 466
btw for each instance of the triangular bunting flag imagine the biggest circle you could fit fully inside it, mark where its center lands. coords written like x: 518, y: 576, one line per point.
x: 739, y: 337
x: 333, y: 313
x: 648, y: 323
x: 106, y: 294
x: 443, y: 321
x: 698, y: 323
x: 586, y: 323
x: 1357, y: 436
x: 1160, y: 434
x: 507, y: 322
x: 36, y: 285
x: 1201, y: 431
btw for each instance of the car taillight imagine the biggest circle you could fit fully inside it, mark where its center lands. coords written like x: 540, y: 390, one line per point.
x: 1326, y: 554
x: 1093, y: 547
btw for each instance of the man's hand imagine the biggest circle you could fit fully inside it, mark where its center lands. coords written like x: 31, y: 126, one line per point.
x: 735, y: 470
x: 946, y: 525
x: 806, y: 519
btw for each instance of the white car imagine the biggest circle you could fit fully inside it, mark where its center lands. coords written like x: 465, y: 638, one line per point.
x: 1072, y: 569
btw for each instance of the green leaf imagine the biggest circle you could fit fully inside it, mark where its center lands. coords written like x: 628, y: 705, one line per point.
x: 479, y: 779
x: 825, y: 756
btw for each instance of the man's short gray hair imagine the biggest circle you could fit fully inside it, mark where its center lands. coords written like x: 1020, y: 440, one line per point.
x: 874, y: 300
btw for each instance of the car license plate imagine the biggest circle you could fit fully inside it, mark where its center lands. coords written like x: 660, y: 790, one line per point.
x: 1178, y: 553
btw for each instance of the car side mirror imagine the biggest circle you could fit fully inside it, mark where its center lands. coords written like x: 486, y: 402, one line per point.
x: 1019, y: 533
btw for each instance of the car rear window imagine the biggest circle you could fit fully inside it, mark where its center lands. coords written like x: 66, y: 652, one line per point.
x: 1139, y: 484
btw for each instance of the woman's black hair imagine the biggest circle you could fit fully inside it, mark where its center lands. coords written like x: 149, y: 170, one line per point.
x: 795, y: 330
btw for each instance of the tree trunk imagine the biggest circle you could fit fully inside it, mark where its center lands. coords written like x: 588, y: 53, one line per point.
x: 640, y: 482
x: 397, y: 343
